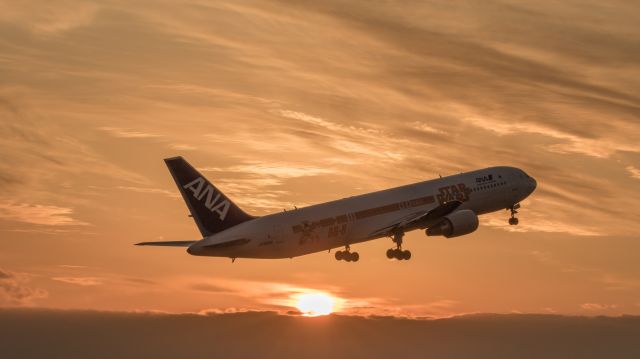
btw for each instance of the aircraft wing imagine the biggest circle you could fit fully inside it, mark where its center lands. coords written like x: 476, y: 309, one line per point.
x: 167, y: 243
x: 420, y: 219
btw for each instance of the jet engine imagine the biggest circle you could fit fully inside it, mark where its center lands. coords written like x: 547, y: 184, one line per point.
x: 455, y: 224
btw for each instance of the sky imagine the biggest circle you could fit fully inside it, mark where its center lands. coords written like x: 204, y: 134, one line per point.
x: 284, y: 104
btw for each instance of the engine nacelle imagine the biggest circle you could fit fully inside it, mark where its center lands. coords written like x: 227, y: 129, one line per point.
x: 455, y: 224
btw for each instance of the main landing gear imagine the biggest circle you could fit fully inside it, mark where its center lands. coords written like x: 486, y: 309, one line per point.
x: 398, y: 253
x: 347, y: 255
x: 513, y: 220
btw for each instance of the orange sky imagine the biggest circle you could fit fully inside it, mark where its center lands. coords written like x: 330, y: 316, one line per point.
x: 285, y: 104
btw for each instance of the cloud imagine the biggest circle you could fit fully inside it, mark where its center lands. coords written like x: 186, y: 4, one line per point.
x: 207, y: 287
x: 635, y: 173
x: 372, y: 307
x: 44, y: 157
x: 46, y: 18
x: 150, y: 191
x: 258, y: 184
x: 139, y: 281
x: 351, y: 139
x: 277, y: 170
x: 538, y: 223
x: 615, y: 281
x: 124, y: 133
x: 38, y: 214
x: 72, y: 266
x: 15, y: 289
x: 276, y: 295
x: 331, y: 126
x: 81, y: 281
x: 422, y: 126
x: 572, y: 143
x: 182, y: 147
x: 597, y: 306
x: 282, y: 297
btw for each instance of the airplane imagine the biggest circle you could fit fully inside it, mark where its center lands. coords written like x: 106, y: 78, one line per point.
x: 446, y: 206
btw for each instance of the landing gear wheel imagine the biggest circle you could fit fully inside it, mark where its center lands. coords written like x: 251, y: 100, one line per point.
x: 513, y: 221
x: 347, y: 255
x: 390, y: 253
x: 398, y: 253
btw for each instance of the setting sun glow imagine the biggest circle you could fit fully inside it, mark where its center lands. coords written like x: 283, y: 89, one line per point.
x: 315, y: 304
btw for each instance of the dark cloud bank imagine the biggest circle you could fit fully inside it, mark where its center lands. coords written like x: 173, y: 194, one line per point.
x: 77, y: 334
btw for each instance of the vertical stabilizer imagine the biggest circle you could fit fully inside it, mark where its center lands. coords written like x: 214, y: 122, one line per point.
x: 211, y: 209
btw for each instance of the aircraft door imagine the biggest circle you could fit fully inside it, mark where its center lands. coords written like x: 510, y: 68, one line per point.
x: 515, y: 182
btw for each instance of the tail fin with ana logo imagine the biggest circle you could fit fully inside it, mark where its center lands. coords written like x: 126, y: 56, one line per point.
x: 212, y: 211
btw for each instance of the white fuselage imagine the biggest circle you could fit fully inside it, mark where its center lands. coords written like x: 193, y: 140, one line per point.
x: 352, y: 220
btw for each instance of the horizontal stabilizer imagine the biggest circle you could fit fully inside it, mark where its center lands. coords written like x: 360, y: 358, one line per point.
x: 167, y: 243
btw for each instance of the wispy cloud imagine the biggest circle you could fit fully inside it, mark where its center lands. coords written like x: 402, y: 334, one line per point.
x: 274, y: 169
x: 47, y: 18
x: 182, y: 147
x: 614, y: 281
x: 605, y: 278
x: 125, y: 133
x: 277, y: 294
x: 368, y: 141
x: 538, y: 223
x: 597, y: 306
x: 38, y: 214
x: 72, y: 266
x: 150, y: 191
x: 81, y: 281
x: 599, y: 148
x: 422, y: 126
x: 635, y: 172
x: 259, y: 184
x: 329, y: 125
x: 15, y: 289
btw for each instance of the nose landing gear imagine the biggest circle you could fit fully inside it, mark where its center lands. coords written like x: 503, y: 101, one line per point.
x: 513, y: 221
x: 398, y: 253
x: 347, y: 255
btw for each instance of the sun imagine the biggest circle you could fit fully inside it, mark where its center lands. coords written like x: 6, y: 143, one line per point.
x: 315, y: 304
